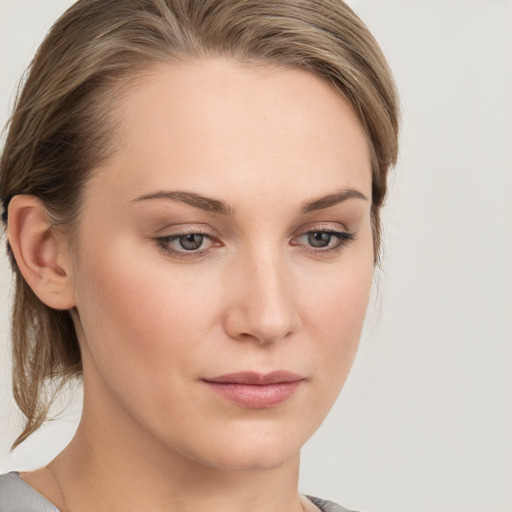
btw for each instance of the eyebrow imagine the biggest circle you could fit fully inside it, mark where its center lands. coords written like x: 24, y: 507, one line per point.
x: 331, y: 200
x: 192, y: 199
x: 210, y: 204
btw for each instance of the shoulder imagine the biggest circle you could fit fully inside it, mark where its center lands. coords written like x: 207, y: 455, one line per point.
x: 17, y: 496
x: 325, y: 505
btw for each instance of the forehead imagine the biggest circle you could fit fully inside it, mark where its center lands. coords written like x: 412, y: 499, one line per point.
x: 201, y: 124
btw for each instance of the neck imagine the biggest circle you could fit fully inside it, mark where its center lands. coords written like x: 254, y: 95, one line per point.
x: 131, y: 470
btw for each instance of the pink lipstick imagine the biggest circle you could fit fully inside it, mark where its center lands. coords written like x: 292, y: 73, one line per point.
x: 256, y: 390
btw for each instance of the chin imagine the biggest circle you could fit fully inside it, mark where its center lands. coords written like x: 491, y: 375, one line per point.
x: 249, y: 453
x: 257, y: 461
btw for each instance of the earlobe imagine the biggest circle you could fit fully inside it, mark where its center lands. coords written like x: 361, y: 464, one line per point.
x: 39, y: 253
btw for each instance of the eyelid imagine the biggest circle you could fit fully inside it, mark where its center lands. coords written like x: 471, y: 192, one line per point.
x: 185, y: 229
x: 163, y: 241
x: 333, y: 227
x: 340, y: 232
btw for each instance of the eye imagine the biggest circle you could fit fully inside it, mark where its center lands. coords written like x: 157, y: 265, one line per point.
x: 187, y: 245
x: 191, y: 242
x: 319, y: 238
x: 319, y: 241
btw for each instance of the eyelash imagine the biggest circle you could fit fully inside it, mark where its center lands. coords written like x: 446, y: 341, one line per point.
x: 344, y: 238
x: 165, y: 241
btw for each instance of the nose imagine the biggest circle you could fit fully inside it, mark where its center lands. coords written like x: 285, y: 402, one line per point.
x: 262, y: 304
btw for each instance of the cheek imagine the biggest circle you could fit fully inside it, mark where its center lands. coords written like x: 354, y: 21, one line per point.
x: 337, y: 328
x: 142, y: 316
x: 142, y: 330
x: 131, y: 313
x: 337, y: 298
x: 336, y: 312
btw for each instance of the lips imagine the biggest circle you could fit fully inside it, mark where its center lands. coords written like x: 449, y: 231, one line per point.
x: 255, y: 390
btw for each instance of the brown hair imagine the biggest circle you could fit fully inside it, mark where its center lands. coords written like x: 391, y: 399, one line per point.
x: 61, y: 127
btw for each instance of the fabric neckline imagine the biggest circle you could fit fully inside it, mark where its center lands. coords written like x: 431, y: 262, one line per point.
x: 52, y: 508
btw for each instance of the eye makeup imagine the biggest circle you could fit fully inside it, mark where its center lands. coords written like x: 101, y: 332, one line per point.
x: 324, y: 241
x: 196, y: 243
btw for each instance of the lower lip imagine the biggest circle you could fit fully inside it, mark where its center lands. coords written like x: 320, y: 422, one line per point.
x: 256, y: 396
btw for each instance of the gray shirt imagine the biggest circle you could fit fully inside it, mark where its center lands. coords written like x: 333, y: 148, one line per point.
x: 17, y: 496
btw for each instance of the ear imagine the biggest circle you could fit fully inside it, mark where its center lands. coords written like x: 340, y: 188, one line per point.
x: 40, y: 252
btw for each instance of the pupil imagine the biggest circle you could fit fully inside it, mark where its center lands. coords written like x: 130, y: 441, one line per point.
x: 319, y: 239
x: 191, y: 242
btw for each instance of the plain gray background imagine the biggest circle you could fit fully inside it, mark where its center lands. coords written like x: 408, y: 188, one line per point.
x: 425, y: 420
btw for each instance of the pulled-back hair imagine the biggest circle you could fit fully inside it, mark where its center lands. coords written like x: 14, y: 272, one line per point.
x: 64, y: 120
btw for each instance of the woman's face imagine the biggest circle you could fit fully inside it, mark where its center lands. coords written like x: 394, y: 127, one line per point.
x: 224, y: 262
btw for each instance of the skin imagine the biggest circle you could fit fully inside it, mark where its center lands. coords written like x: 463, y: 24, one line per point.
x: 256, y: 296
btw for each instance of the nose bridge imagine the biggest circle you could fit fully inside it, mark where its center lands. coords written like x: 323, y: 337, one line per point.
x: 263, y: 307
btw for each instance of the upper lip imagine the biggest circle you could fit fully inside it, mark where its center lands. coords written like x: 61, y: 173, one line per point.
x: 255, y: 378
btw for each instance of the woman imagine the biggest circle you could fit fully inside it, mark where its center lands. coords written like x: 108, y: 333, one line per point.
x: 191, y: 192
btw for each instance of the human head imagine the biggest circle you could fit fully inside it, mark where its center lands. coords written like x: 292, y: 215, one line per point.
x: 65, y: 116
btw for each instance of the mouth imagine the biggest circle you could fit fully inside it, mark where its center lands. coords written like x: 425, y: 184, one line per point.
x: 255, y: 390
